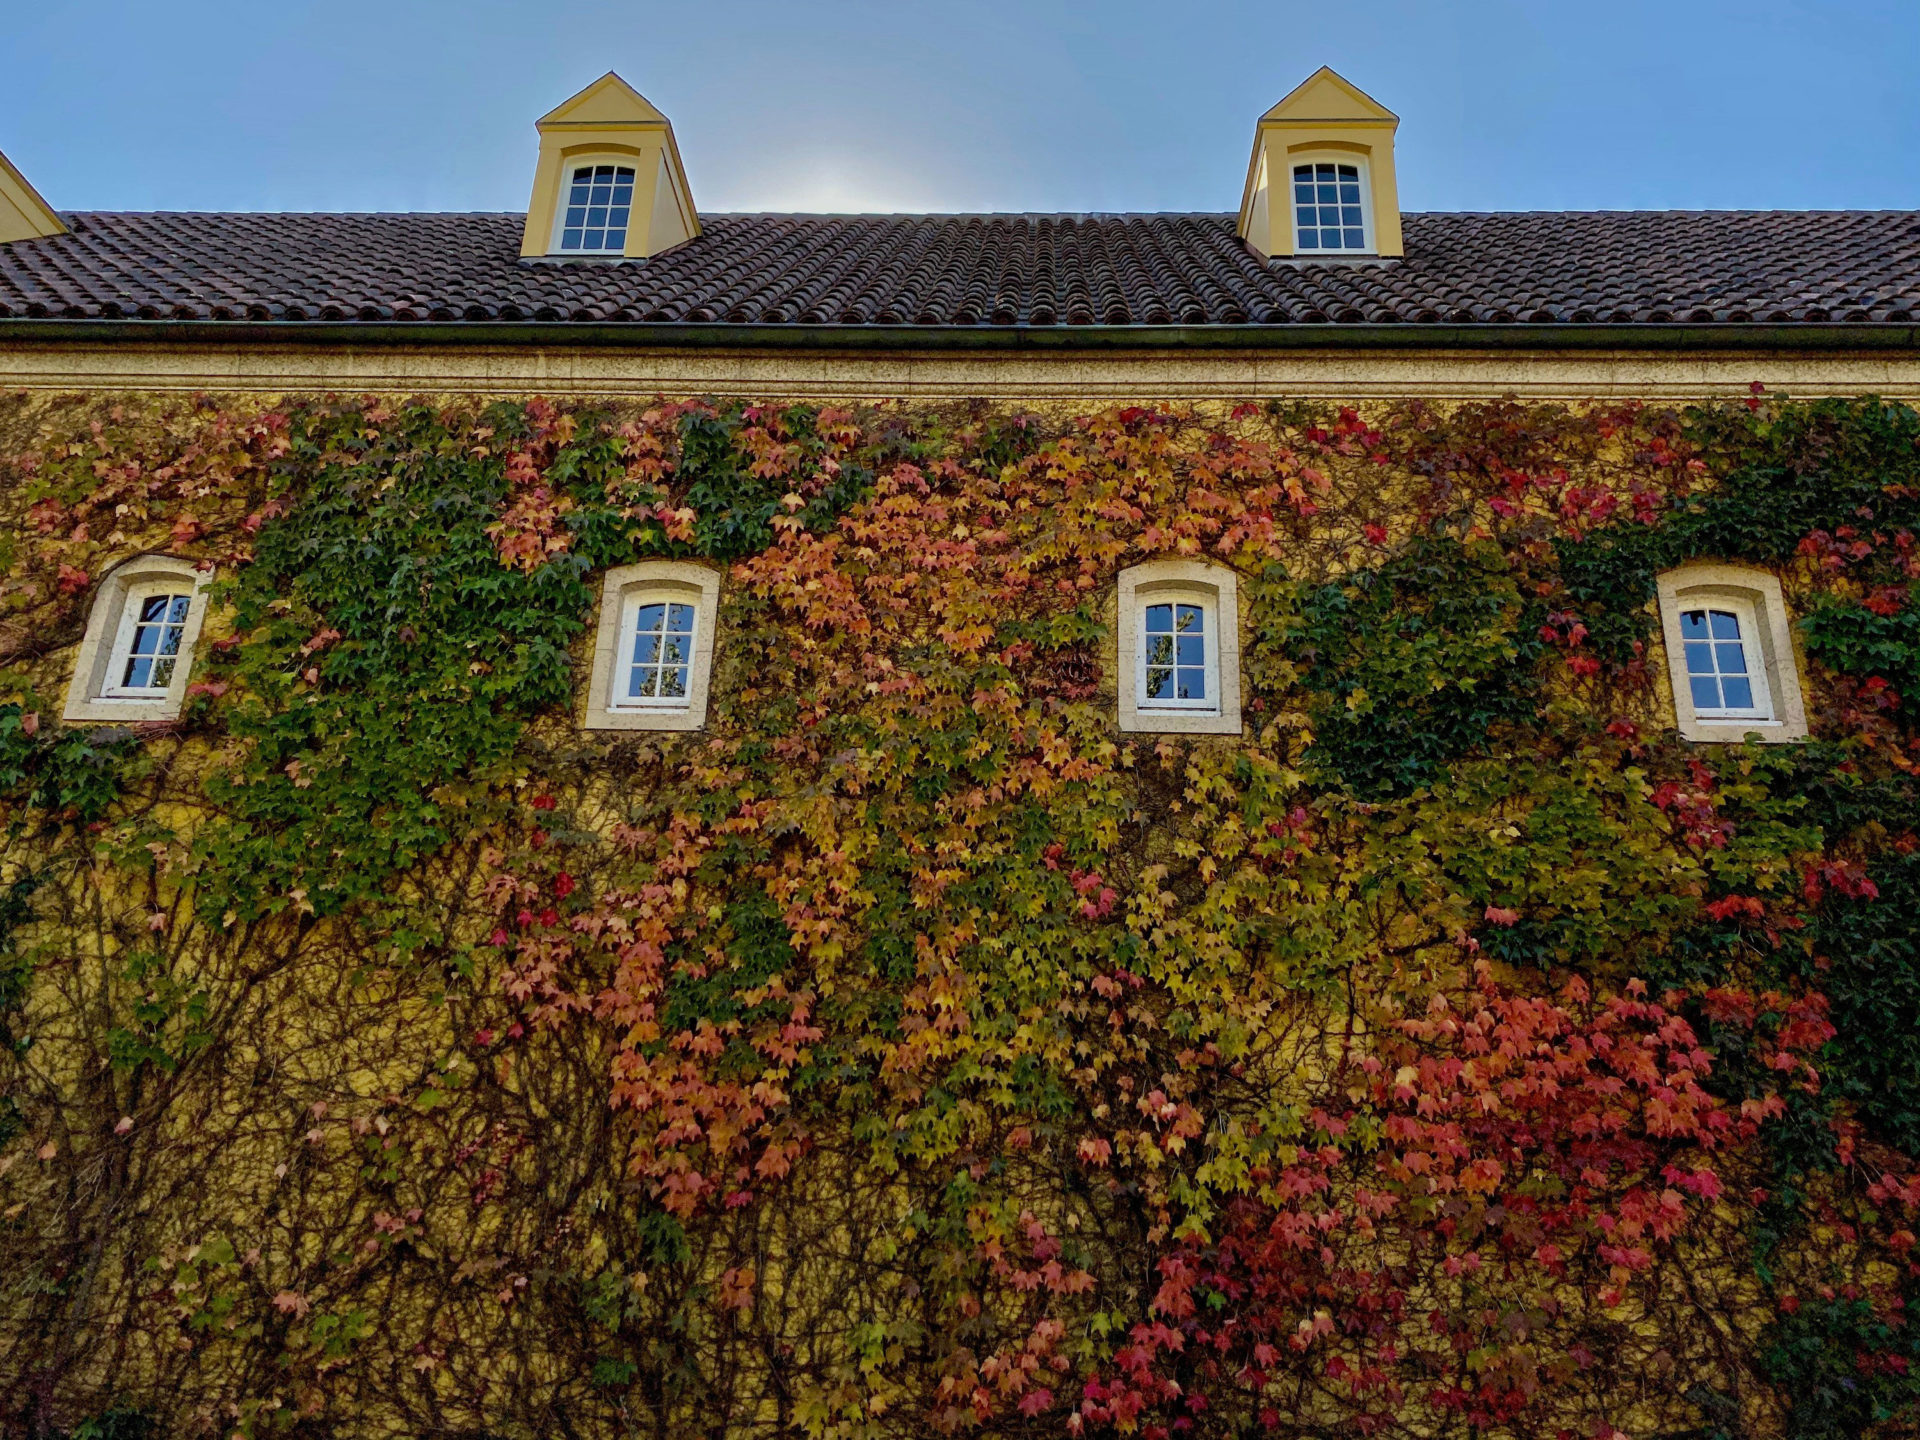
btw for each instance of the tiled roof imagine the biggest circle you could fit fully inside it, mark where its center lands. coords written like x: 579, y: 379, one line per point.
x: 1580, y: 268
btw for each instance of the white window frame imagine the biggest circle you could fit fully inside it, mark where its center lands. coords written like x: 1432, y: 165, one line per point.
x: 567, y: 168
x: 1207, y: 602
x: 623, y: 591
x: 1766, y: 636
x: 1369, y: 241
x: 95, y: 693
x: 1747, y: 619
x: 113, y: 686
x: 620, y: 694
x: 1157, y: 582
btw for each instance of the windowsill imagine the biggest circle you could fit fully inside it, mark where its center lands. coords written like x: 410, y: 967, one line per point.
x: 592, y: 257
x: 1332, y: 257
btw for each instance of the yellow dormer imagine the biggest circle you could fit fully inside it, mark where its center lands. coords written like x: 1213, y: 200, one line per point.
x: 23, y: 214
x: 610, y: 182
x: 1322, y: 161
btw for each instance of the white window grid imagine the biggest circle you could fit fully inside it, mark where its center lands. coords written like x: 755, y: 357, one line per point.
x: 1329, y: 207
x: 1179, y: 664
x: 597, y: 209
x: 148, y: 645
x: 654, y: 665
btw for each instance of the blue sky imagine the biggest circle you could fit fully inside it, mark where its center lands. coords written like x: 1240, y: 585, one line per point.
x: 996, y: 105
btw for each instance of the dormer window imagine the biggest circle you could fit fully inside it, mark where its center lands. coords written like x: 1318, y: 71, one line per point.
x: 1328, y: 212
x: 599, y: 205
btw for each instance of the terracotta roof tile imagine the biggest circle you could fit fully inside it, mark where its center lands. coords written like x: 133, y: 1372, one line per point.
x: 1603, y: 268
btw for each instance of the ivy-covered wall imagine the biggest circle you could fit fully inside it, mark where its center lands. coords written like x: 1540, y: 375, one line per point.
x: 1458, y: 1053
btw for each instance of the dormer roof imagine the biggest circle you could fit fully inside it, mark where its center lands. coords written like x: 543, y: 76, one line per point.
x: 23, y: 214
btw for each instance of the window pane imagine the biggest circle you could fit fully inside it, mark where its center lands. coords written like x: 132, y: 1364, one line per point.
x: 153, y: 607
x: 1192, y: 620
x: 1733, y: 659
x: 1693, y: 625
x: 680, y: 619
x: 1193, y: 650
x: 645, y: 683
x: 616, y: 240
x: 1699, y: 658
x: 570, y: 240
x: 648, y: 617
x: 162, y: 674
x: 1725, y: 626
x: 137, y: 673
x: 1349, y: 172
x: 1159, y: 618
x: 673, y: 684
x: 1738, y: 691
x: 177, y: 611
x: 674, y: 652
x: 1160, y: 650
x: 1706, y: 692
x: 170, y: 639
x: 646, y: 648
x: 1193, y: 684
x: 1356, y: 240
x: 1159, y: 684
x: 144, y: 639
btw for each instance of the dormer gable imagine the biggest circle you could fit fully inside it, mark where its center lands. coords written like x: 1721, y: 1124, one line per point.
x: 1321, y: 179
x: 23, y: 214
x: 609, y: 183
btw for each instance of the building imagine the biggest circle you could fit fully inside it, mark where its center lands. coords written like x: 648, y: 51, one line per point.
x: 1301, y: 821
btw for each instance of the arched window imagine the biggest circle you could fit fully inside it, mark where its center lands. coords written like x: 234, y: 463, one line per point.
x: 599, y: 203
x: 1178, y: 647
x: 1329, y: 213
x: 654, y: 650
x: 134, y: 659
x: 1730, y: 654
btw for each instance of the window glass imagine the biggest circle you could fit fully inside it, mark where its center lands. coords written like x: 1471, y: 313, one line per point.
x: 153, y: 649
x: 662, y: 654
x: 599, y: 203
x: 1717, y: 663
x: 1175, y: 653
x: 1326, y: 207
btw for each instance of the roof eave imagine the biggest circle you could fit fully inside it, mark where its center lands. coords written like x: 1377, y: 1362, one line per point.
x: 1852, y: 336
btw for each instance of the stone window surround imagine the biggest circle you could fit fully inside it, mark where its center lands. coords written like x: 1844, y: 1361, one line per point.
x: 1702, y: 583
x: 1159, y: 579
x: 85, y: 703
x: 680, y: 580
